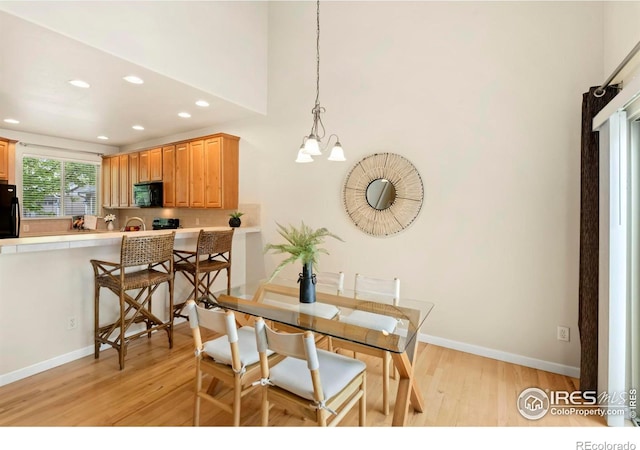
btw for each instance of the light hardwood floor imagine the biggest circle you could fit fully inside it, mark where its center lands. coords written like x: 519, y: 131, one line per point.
x: 156, y: 389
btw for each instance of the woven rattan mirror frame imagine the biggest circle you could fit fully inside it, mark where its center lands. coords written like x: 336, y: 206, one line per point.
x: 408, y: 199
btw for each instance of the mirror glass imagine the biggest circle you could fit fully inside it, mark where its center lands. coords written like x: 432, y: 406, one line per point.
x: 381, y: 194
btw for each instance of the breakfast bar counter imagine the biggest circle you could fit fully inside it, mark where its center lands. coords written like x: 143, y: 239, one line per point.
x: 47, y: 291
x: 94, y: 238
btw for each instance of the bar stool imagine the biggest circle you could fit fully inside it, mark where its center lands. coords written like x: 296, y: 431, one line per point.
x: 202, y: 266
x: 156, y: 253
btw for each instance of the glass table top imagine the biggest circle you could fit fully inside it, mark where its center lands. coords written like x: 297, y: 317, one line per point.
x: 368, y: 321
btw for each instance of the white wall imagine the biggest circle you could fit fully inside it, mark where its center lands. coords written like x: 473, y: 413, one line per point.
x: 216, y: 46
x: 621, y: 34
x: 43, y: 286
x: 485, y: 100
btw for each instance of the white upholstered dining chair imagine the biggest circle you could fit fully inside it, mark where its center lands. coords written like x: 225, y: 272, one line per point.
x: 314, y: 383
x: 332, y: 282
x: 231, y: 359
x: 380, y: 290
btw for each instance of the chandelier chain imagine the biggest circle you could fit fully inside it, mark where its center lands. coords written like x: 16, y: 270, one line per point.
x: 317, y: 128
x: 312, y: 144
x: 318, y: 53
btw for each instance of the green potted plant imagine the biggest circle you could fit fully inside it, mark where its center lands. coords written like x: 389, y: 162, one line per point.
x: 235, y: 221
x: 302, y: 245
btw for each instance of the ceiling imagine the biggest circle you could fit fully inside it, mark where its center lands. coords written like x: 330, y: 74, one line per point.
x: 36, y: 65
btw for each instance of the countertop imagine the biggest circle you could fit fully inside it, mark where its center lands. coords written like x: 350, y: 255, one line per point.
x: 76, y: 239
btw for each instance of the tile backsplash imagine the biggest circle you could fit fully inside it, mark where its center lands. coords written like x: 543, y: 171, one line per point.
x: 189, y: 218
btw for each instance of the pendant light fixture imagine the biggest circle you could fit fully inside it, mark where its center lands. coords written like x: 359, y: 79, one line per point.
x: 312, y: 144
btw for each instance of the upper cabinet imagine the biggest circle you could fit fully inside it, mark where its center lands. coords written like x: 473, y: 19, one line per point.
x: 213, y: 170
x: 199, y: 173
x: 168, y: 176
x: 106, y: 182
x: 134, y: 176
x: 7, y: 160
x: 155, y: 164
x: 150, y: 165
x: 181, y: 175
x: 124, y: 189
x: 143, y: 166
x: 196, y: 174
x: 119, y: 174
x: 4, y: 160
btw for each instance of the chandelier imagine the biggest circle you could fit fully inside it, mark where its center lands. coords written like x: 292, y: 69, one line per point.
x: 312, y: 144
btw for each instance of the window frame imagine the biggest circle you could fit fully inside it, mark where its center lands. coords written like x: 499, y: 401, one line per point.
x: 63, y: 156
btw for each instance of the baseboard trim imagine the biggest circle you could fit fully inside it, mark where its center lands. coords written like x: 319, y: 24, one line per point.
x: 45, y: 365
x: 534, y: 363
x: 435, y: 340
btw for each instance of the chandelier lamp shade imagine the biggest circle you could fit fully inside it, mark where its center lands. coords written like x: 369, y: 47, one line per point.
x: 312, y: 144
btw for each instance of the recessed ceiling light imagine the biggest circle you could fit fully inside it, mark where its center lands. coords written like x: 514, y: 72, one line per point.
x: 184, y: 115
x: 79, y: 83
x: 14, y: 121
x: 202, y: 103
x: 138, y: 127
x: 104, y: 138
x: 134, y: 79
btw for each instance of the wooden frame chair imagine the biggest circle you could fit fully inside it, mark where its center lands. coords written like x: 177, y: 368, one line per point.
x: 156, y: 253
x: 333, y: 282
x: 386, y: 290
x: 231, y: 358
x: 202, y: 266
x: 311, y: 382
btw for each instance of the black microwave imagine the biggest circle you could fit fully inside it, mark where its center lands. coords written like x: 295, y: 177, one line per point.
x: 148, y: 195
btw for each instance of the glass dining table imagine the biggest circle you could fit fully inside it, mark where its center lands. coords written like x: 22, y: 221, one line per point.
x: 278, y: 301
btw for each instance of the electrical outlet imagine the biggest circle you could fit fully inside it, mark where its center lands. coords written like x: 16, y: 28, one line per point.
x: 25, y: 227
x: 72, y: 323
x: 563, y: 334
x: 197, y: 221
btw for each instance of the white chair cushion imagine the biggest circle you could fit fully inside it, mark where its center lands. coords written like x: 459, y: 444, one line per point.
x: 336, y: 372
x: 371, y: 320
x: 220, y: 351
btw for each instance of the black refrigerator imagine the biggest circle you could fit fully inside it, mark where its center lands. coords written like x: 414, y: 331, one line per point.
x: 9, y: 212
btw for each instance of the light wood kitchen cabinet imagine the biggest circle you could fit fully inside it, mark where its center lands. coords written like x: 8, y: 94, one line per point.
x: 115, y: 181
x: 118, y: 174
x: 222, y: 158
x: 144, y: 173
x: 155, y: 164
x: 168, y: 176
x: 182, y: 175
x: 213, y: 169
x: 8, y: 160
x: 200, y: 173
x: 106, y: 182
x: 4, y: 160
x: 133, y: 175
x: 124, y: 182
x: 196, y: 174
x: 150, y: 165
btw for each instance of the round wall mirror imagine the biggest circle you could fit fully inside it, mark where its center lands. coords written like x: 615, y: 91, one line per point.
x: 383, y: 194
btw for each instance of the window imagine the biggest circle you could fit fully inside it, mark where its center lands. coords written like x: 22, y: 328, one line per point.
x: 54, y: 187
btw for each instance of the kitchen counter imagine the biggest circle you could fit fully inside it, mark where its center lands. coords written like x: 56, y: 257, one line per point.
x: 47, y: 292
x: 77, y: 239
